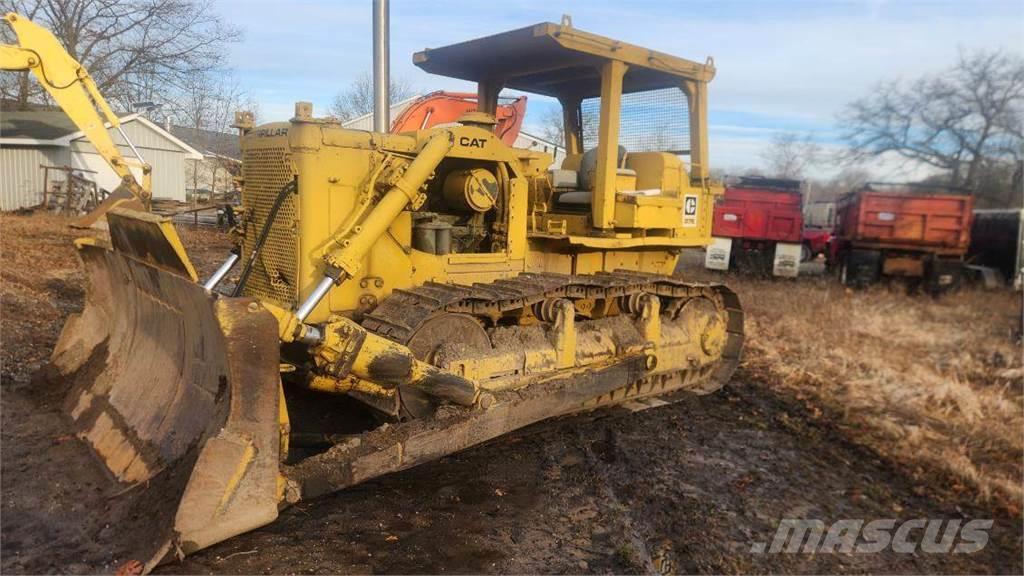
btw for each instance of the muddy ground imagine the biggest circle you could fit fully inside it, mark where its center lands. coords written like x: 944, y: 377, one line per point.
x: 685, y: 487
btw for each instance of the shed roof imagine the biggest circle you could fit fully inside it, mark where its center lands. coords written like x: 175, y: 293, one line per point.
x: 209, y: 142
x: 55, y: 128
x: 365, y: 121
x: 36, y: 125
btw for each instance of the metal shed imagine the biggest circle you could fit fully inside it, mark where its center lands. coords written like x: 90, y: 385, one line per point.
x: 31, y: 139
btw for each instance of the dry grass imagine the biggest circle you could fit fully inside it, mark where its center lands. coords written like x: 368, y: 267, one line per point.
x: 935, y: 385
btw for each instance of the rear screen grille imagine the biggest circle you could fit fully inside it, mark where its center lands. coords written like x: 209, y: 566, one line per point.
x: 275, y: 270
x: 651, y: 121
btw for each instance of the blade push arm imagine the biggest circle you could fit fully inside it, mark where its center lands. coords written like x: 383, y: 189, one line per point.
x: 71, y: 87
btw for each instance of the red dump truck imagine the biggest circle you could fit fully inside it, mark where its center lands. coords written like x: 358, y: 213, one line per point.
x: 758, y: 226
x: 910, y: 231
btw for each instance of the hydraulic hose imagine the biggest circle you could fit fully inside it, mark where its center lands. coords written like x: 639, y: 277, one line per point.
x: 346, y: 262
x: 291, y: 187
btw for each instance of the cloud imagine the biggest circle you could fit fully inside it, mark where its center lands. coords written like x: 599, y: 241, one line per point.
x: 782, y: 65
x: 736, y: 155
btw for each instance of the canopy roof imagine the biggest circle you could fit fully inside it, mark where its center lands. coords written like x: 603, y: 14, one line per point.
x: 557, y: 59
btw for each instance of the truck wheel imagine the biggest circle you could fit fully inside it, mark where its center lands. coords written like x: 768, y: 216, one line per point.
x: 836, y: 265
x: 765, y: 259
x: 752, y: 262
x: 860, y: 268
x: 943, y: 276
x: 805, y: 253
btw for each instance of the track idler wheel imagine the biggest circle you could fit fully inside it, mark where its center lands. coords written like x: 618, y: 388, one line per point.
x: 703, y: 320
x: 446, y: 335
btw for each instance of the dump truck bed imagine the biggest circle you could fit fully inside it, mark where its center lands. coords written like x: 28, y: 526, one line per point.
x: 759, y: 214
x: 927, y: 222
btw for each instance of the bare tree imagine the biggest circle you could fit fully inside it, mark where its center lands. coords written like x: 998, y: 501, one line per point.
x: 997, y: 184
x: 850, y: 178
x: 209, y: 102
x: 956, y: 121
x: 135, y: 49
x: 203, y: 115
x: 552, y: 126
x: 788, y: 155
x: 357, y: 99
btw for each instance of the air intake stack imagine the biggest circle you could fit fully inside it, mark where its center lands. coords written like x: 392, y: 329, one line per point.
x: 381, y: 64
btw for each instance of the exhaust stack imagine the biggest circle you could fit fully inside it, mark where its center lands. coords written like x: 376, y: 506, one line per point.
x: 381, y: 63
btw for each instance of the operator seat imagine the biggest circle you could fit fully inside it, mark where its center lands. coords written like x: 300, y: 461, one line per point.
x: 585, y: 180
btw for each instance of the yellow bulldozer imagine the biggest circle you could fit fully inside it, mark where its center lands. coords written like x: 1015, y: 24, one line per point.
x: 401, y: 297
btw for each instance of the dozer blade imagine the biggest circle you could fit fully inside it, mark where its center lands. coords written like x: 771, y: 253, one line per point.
x: 176, y: 390
x: 120, y: 198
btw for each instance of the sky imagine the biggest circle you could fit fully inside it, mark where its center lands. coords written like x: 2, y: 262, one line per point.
x: 782, y: 65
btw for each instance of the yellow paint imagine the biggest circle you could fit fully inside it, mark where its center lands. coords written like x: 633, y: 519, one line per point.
x: 346, y: 384
x: 603, y: 213
x: 648, y: 211
x: 658, y: 171
x: 650, y: 319
x: 248, y: 455
x: 565, y: 334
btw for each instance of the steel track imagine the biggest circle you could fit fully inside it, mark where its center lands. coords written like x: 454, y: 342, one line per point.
x: 400, y: 315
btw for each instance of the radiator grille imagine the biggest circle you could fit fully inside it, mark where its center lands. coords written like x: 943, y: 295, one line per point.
x: 275, y: 270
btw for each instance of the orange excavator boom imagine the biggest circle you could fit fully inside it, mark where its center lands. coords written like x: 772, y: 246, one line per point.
x: 441, y: 108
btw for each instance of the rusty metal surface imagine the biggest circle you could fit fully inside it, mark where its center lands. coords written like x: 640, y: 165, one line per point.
x: 402, y: 314
x: 903, y: 266
x: 447, y: 328
x: 149, y: 238
x: 161, y: 388
x: 227, y: 496
x: 157, y: 368
x: 392, y: 448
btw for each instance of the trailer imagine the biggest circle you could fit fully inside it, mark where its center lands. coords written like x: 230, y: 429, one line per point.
x: 906, y: 231
x: 997, y: 244
x: 758, y: 226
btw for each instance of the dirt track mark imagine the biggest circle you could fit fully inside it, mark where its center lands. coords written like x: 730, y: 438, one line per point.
x: 697, y: 483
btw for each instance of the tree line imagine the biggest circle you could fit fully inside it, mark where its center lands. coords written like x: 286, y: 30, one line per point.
x: 966, y: 123
x: 170, y: 57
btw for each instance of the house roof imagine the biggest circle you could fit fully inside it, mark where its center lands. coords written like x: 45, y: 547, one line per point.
x: 209, y: 142
x: 36, y: 125
x: 365, y: 121
x: 55, y: 128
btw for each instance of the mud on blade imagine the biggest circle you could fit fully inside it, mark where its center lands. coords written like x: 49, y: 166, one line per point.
x: 177, y: 392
